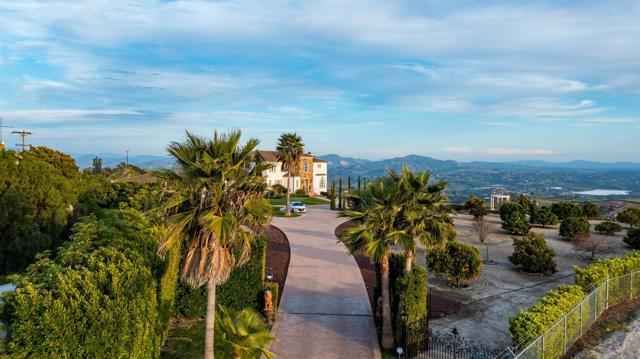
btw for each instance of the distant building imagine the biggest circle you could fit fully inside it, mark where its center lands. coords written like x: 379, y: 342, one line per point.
x: 310, y: 176
x: 498, y: 197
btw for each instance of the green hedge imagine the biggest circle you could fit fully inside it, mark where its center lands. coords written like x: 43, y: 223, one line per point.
x: 594, y: 275
x: 411, y: 291
x: 244, y: 289
x: 105, y: 295
x: 533, y: 322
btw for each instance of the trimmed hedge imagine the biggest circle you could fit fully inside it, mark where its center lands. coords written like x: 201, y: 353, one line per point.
x: 533, y: 322
x: 594, y: 275
x: 411, y: 291
x: 244, y: 289
x: 106, y: 294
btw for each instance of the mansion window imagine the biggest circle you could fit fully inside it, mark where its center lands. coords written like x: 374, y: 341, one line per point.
x: 306, y: 167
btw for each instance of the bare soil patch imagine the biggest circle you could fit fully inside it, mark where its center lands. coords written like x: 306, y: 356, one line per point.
x: 278, y: 256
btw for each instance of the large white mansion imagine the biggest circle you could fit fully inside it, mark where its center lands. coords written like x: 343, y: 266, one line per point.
x: 311, y: 175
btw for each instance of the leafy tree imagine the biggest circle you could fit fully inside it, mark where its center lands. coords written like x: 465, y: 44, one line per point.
x: 245, y: 332
x: 608, y: 227
x: 36, y: 204
x: 526, y: 202
x: 278, y: 190
x: 476, y: 206
x: 215, y: 199
x: 289, y: 151
x: 543, y: 216
x: 591, y: 210
x: 633, y: 238
x: 533, y: 254
x: 514, y: 218
x: 60, y: 162
x: 376, y: 236
x: 506, y: 209
x: 566, y: 210
x: 630, y: 216
x: 457, y: 260
x: 573, y: 227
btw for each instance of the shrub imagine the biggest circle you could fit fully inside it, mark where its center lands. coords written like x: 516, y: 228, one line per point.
x: 543, y: 216
x: 591, y: 210
x: 411, y: 290
x: 301, y: 192
x: 516, y: 222
x: 633, y: 238
x: 630, y: 216
x: 608, y: 227
x: 533, y: 254
x: 595, y: 274
x: 506, y: 209
x: 573, y: 227
x: 244, y: 289
x: 531, y: 323
x: 566, y: 210
x: 476, y: 206
x: 107, y: 281
x: 457, y: 260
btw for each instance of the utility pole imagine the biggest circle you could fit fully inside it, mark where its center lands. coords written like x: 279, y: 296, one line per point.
x: 23, y: 135
x: 1, y: 127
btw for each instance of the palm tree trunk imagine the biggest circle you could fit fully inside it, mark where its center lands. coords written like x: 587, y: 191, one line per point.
x: 387, y: 326
x: 210, y: 321
x: 408, y: 261
x: 287, y: 208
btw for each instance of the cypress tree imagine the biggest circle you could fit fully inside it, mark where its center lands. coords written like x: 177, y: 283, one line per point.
x: 332, y: 196
x: 359, y: 184
x: 340, y: 204
x: 349, y: 183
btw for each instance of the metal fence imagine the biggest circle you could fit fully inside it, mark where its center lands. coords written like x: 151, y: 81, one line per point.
x: 558, y: 339
x: 421, y: 343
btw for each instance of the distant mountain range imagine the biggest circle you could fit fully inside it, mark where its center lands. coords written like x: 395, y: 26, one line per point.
x: 547, y: 179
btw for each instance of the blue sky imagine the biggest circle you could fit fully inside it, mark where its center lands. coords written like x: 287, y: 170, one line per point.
x: 465, y: 80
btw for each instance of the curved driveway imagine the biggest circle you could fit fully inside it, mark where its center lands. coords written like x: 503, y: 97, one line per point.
x: 325, y: 312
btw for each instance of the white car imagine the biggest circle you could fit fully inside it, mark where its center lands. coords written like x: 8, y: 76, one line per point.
x: 296, y: 207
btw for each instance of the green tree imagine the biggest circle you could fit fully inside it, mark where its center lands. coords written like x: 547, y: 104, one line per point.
x: 476, y: 207
x: 245, y: 332
x: 289, y: 150
x: 543, y: 216
x: 376, y: 236
x: 633, y: 238
x: 591, y: 210
x: 566, y: 210
x: 60, y: 162
x: 526, y: 202
x: 36, y: 204
x: 608, y: 227
x: 215, y: 201
x: 332, y: 196
x: 630, y: 216
x: 573, y: 227
x: 457, y: 260
x: 533, y: 254
x: 359, y: 187
x: 340, y: 195
x: 514, y: 218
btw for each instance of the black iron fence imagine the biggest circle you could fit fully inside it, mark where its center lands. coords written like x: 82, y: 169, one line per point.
x: 421, y: 343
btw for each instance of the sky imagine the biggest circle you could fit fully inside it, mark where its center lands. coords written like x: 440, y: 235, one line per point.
x: 464, y: 80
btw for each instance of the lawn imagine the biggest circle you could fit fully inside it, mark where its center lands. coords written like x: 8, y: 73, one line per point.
x: 277, y: 213
x: 310, y: 201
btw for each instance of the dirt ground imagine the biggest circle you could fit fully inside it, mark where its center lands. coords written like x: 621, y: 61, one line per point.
x: 278, y: 256
x: 502, y: 290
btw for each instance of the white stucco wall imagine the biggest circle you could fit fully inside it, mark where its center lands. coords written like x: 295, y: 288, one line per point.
x: 276, y: 175
x: 320, y: 177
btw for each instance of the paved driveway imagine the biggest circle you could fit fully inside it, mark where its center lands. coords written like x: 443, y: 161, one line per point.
x: 325, y: 312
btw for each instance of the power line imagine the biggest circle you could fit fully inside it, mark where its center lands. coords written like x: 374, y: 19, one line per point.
x: 1, y: 127
x: 23, y: 135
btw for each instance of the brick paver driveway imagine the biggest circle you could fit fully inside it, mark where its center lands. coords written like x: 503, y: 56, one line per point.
x: 325, y: 312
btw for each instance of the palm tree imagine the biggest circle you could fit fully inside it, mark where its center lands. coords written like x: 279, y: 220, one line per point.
x: 214, y: 203
x: 246, y: 332
x: 425, y: 211
x: 379, y: 213
x: 289, y: 151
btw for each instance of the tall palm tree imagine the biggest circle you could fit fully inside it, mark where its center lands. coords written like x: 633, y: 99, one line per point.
x: 425, y: 211
x: 379, y: 213
x: 289, y: 151
x: 214, y: 203
x: 245, y: 331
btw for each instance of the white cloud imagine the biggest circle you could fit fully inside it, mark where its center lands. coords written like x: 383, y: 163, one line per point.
x: 61, y: 115
x: 545, y: 107
x: 518, y: 151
